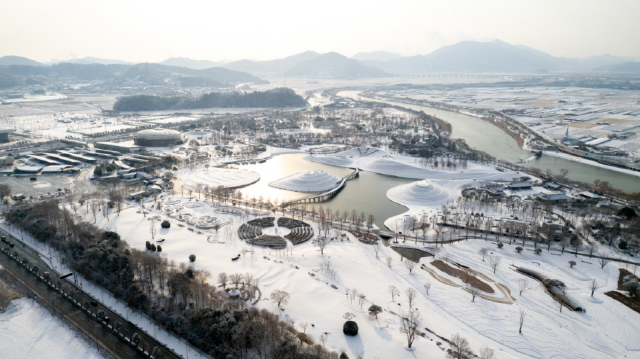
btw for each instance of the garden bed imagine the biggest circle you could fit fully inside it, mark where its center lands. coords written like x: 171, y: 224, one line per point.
x: 472, y: 280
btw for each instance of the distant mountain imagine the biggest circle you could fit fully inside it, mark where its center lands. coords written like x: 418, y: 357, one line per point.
x: 333, y: 66
x: 95, y: 60
x: 472, y: 56
x: 271, y: 67
x: 491, y: 57
x: 627, y: 67
x: 154, y: 74
x: 17, y: 60
x: 380, y: 56
x: 191, y: 64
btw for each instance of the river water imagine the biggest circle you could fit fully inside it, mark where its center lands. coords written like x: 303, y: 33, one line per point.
x: 367, y: 193
x: 486, y: 137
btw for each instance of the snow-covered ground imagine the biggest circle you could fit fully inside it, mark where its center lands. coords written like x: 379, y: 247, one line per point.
x: 214, y: 177
x: 606, y: 330
x: 29, y: 331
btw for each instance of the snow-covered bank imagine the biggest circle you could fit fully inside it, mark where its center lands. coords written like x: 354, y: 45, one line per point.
x: 29, y: 331
x: 589, y: 162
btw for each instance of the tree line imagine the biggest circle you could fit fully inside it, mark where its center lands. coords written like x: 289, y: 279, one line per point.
x: 279, y: 97
x: 180, y: 299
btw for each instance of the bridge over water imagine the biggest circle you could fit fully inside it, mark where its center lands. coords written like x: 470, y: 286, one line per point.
x: 328, y: 194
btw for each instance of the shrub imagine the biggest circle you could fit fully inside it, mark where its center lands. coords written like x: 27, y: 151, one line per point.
x: 192, y: 258
x: 518, y: 249
x: 537, y: 251
x: 622, y: 245
x: 632, y: 287
x: 350, y: 328
x: 572, y: 263
x: 344, y: 355
x: 374, y: 310
x: 159, y: 248
x: 165, y: 224
x: 500, y: 245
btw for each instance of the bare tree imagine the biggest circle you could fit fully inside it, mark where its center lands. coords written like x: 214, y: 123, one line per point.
x: 559, y: 304
x: 323, y: 242
x: 523, y: 314
x: 523, y: 285
x: 487, y: 353
x: 411, y: 296
x: 153, y: 229
x: 223, y: 279
x: 280, y: 297
x: 494, y: 262
x: 389, y: 261
x: 484, y: 252
x: 304, y: 326
x: 236, y: 278
x: 409, y: 326
x: 474, y: 293
x: 376, y: 250
x: 427, y: 286
x: 460, y: 348
x: 361, y: 299
x: 410, y: 265
x: 593, y: 285
x: 603, y: 262
x: 393, y: 291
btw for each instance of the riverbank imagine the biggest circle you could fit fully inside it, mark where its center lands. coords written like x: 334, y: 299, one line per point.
x: 485, y: 137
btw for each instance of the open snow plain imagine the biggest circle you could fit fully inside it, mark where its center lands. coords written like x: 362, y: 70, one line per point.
x: 607, y: 329
x: 29, y: 331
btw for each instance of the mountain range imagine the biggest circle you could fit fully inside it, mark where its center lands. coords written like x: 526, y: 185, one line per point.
x: 462, y: 57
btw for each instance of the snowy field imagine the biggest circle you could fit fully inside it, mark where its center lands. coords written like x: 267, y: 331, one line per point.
x: 29, y: 331
x: 607, y: 329
x: 214, y: 177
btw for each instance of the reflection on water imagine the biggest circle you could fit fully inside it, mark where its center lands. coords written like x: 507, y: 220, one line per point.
x: 367, y: 193
x: 486, y: 137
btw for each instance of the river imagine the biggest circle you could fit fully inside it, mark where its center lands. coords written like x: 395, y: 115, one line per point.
x: 486, y: 137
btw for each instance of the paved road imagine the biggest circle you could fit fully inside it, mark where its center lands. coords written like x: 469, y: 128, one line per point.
x: 83, y: 321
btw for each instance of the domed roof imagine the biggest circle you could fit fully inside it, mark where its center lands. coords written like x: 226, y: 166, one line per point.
x: 158, y: 133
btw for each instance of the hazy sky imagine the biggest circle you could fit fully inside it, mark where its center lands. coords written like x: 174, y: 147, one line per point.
x: 145, y: 30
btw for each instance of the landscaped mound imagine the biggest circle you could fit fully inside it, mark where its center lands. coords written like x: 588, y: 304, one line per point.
x: 471, y: 280
x: 420, y: 193
x: 312, y: 181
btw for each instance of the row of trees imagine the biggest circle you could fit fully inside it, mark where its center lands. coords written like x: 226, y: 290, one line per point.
x: 178, y: 297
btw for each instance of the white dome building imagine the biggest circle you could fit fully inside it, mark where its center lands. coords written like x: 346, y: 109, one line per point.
x: 157, y: 137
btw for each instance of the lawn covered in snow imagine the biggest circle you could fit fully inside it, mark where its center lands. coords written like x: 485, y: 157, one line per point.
x: 607, y: 329
x: 29, y: 331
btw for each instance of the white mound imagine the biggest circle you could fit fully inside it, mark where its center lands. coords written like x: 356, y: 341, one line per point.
x: 312, y: 181
x: 225, y: 177
x: 361, y: 152
x: 420, y: 193
x: 331, y: 160
x: 391, y: 167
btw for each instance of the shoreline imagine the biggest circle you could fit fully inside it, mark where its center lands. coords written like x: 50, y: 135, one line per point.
x: 520, y: 141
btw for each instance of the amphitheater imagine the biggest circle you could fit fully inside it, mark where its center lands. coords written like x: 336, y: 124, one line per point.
x: 226, y: 177
x: 252, y: 232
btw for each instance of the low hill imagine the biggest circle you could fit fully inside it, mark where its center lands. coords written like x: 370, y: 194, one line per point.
x: 333, y: 66
x: 627, y: 67
x: 280, y: 97
x: 190, y: 64
x: 380, y: 56
x: 17, y: 60
x: 95, y: 60
x: 156, y: 73
x: 271, y: 67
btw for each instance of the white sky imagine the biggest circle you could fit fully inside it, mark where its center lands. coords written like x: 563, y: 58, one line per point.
x: 145, y: 30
